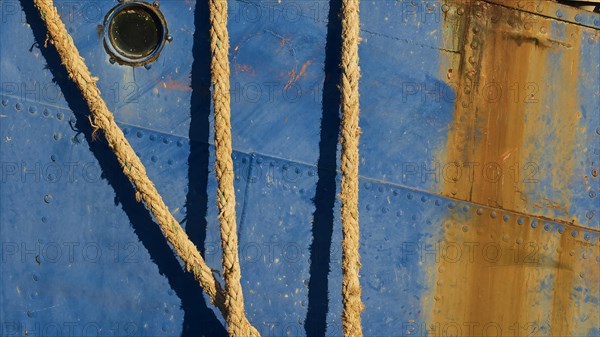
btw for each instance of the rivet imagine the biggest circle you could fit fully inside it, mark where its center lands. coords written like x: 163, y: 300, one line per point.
x: 445, y: 8
x: 179, y: 143
x: 597, y: 23
x: 60, y: 116
x: 259, y: 160
x: 154, y: 159
x: 598, y: 130
x: 112, y: 60
x: 479, y: 211
x: 424, y: 199
x: 460, y: 11
x: 465, y: 229
x: 505, y: 237
x: 380, y: 189
x: 561, y: 230
x: 539, y: 8
x: 311, y: 173
x: 592, y: 194
x: 534, y: 224
x: 156, y: 4
x: 543, y: 30
x: 574, y: 234
x: 520, y: 221
x: 578, y: 18
x: 571, y: 252
x: 29, y: 313
x: 493, y: 215
x: 559, y: 13
x: 53, y: 157
x: 148, y: 66
x: 32, y: 110
x: 438, y: 203
x: 57, y: 136
x: 125, y: 131
x: 170, y: 38
x: 519, y: 241
x: 594, y: 173
x: 409, y: 196
x: 44, y: 219
x: 18, y: 106
x: 367, y: 184
x: 368, y: 207
x: 547, y: 227
x: 441, y: 269
x: 587, y: 237
x: 465, y: 208
x: 451, y: 205
x: 35, y: 277
x: 46, y: 113
x: 521, y: 4
x: 4, y: 102
x: 152, y: 137
x: 590, y: 214
x: 506, y: 217
x: 139, y: 134
x: 48, y: 198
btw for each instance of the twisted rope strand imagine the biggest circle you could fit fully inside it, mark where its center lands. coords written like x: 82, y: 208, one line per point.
x: 349, y: 138
x: 238, y: 324
x: 102, y: 119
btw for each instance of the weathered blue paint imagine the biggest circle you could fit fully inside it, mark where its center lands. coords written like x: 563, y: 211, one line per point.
x: 62, y: 193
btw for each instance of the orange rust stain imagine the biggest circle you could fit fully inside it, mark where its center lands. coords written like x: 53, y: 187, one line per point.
x: 501, y: 117
x: 547, y: 203
x: 293, y: 77
x: 173, y: 85
x: 242, y: 67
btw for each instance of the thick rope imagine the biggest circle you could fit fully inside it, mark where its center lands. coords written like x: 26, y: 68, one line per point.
x: 349, y: 137
x: 102, y: 119
x: 237, y: 322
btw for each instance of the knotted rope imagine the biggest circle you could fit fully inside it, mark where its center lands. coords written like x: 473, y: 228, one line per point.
x: 237, y: 323
x: 349, y: 137
x: 102, y: 119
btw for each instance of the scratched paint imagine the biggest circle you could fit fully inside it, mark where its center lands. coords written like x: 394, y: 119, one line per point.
x: 517, y: 275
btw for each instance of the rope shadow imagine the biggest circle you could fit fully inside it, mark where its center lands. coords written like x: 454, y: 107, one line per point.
x: 324, y: 199
x: 199, y: 320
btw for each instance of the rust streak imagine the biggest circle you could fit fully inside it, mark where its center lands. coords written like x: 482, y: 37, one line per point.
x: 508, y: 128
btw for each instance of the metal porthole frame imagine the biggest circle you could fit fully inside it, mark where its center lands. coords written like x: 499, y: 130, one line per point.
x: 120, y: 57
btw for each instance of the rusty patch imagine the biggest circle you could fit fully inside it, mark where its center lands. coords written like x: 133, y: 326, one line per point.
x: 170, y: 84
x: 502, y: 117
x: 293, y: 77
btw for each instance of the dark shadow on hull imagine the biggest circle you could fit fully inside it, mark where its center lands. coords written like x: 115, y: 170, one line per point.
x: 199, y: 320
x: 322, y: 230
